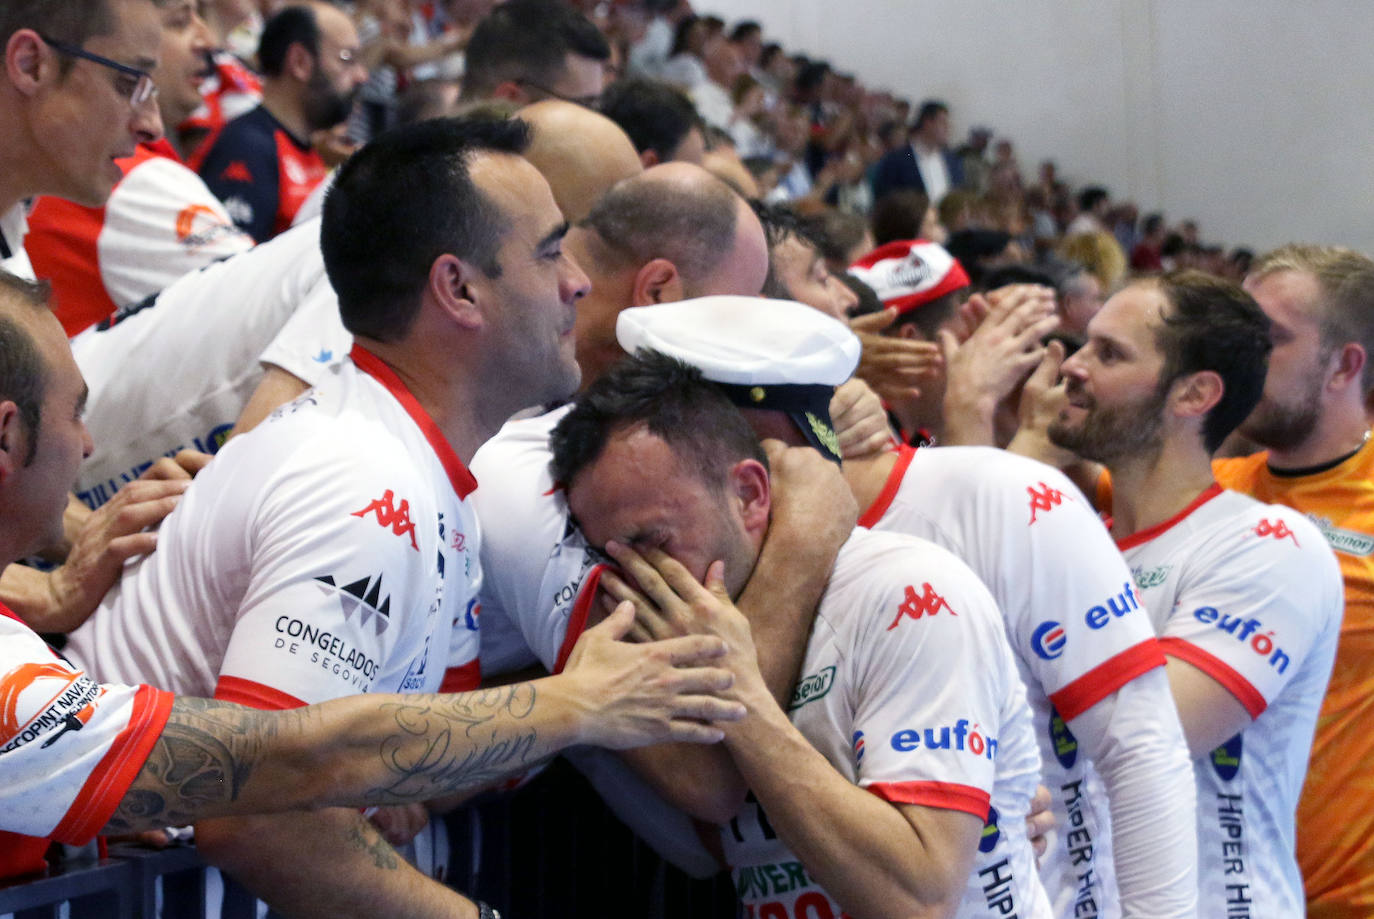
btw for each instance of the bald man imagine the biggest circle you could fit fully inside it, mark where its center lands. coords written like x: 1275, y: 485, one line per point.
x: 580, y: 152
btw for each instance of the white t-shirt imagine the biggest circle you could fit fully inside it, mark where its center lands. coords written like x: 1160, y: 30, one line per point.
x: 326, y: 553
x: 14, y: 225
x: 1079, y: 635
x: 930, y: 163
x: 1250, y: 594
x: 175, y: 372
x: 312, y: 341
x: 909, y: 691
x: 69, y: 747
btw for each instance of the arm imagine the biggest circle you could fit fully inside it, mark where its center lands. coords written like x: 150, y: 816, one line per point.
x: 860, y: 421
x: 276, y: 388
x: 1209, y: 712
x: 241, y: 171
x: 813, y: 514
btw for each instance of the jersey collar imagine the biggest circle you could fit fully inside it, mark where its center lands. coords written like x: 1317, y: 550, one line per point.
x: 875, y: 512
x: 1144, y: 536
x: 458, y: 475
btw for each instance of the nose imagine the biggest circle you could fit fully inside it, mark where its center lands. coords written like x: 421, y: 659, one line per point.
x: 576, y: 284
x: 202, y: 40
x: 87, y: 443
x: 145, y: 122
x: 845, y: 298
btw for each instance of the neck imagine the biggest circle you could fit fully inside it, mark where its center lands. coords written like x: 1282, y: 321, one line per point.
x: 1150, y: 489
x: 286, y: 107
x: 16, y: 160
x: 1340, y: 429
x: 446, y: 395
x: 868, y: 476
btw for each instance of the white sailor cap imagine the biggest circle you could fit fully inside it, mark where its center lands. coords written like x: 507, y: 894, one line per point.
x: 764, y: 354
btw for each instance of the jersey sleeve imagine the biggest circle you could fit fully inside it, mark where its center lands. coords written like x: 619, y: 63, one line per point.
x: 162, y: 222
x: 241, y: 171
x: 929, y: 684
x: 1254, y: 606
x: 70, y: 747
x: 342, y: 568
x: 313, y: 339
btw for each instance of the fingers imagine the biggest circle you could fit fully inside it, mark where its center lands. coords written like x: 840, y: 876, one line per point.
x: 649, y: 620
x: 873, y: 322
x: 662, y: 578
x: 707, y: 708
x: 949, y: 345
x: 691, y: 732
x: 143, y: 513
x: 617, y: 624
x: 694, y: 649
x: 193, y: 461
x: 1047, y: 373
x: 123, y: 548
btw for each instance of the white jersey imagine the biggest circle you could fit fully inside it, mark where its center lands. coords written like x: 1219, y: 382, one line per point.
x: 1079, y: 635
x: 312, y: 341
x: 175, y: 372
x: 69, y: 748
x: 328, y: 552
x: 909, y: 691
x: 1250, y: 594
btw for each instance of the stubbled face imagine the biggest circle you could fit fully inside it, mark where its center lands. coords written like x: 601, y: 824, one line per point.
x: 85, y: 120
x: 1299, y: 365
x: 1116, y: 404
x: 339, y: 72
x: 184, y: 61
x: 639, y: 494
x: 534, y: 296
x: 802, y: 271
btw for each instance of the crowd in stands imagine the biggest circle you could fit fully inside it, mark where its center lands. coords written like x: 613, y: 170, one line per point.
x: 396, y: 395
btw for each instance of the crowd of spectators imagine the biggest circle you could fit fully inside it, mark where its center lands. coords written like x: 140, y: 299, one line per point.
x: 381, y: 252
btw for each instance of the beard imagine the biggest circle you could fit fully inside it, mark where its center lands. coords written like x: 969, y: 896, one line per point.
x: 1131, y: 430
x: 325, y: 106
x: 1283, y: 425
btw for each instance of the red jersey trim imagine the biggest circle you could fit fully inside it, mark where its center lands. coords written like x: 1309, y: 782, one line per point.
x: 21, y: 855
x: 878, y: 508
x: 1106, y: 678
x: 944, y: 795
x: 1144, y: 536
x: 458, y: 475
x: 105, y: 788
x: 6, y: 611
x: 462, y: 679
x: 577, y: 621
x: 254, y: 695
x: 1218, y: 670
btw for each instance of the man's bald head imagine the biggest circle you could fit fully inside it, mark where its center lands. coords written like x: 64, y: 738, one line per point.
x: 581, y: 153
x: 672, y: 233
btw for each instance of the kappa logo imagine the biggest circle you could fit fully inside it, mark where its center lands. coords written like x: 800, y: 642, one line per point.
x: 389, y: 514
x: 362, y: 597
x: 60, y: 699
x: 1048, y: 640
x: 1046, y: 499
x: 926, y: 604
x: 1277, y: 530
x: 237, y: 171
x: 812, y: 687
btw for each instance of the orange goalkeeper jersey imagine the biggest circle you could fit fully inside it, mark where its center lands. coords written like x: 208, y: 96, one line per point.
x: 1336, y: 813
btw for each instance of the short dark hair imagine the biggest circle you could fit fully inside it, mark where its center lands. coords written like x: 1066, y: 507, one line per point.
x: 780, y: 223
x: 669, y: 398
x: 898, y: 215
x: 656, y: 115
x: 23, y: 372
x: 70, y: 21
x: 528, y: 40
x: 744, y: 29
x: 398, y: 204
x: 641, y: 219
x: 1153, y: 223
x: 1211, y: 324
x: 1091, y: 197
x: 929, y: 109
x: 971, y: 247
x: 292, y: 25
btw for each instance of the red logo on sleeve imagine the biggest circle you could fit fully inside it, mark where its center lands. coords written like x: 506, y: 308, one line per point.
x: 1046, y: 499
x: 391, y: 515
x: 926, y: 604
x: 1277, y: 530
x: 237, y: 171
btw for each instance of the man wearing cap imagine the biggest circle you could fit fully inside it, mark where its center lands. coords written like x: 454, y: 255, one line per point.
x: 917, y: 797
x: 1104, y: 717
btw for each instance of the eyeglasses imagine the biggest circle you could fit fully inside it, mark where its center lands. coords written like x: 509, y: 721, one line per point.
x: 137, y: 85
x: 591, y: 102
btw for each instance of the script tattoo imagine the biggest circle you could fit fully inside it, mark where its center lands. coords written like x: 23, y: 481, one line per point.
x: 205, y: 754
x: 462, y: 748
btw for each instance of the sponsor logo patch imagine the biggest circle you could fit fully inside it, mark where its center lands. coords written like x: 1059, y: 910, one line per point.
x: 393, y: 515
x: 914, y: 605
x: 1226, y: 759
x: 1048, y: 640
x: 812, y: 687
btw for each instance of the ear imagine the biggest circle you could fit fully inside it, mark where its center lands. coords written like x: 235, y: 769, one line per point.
x: 657, y: 281
x: 1196, y: 394
x: 649, y: 158
x: 14, y: 440
x: 511, y: 92
x: 908, y: 330
x: 450, y: 287
x: 300, y: 63
x: 25, y: 57
x: 749, y: 486
x: 1349, y: 369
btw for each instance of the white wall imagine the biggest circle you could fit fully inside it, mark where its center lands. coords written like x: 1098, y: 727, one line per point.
x: 1256, y: 117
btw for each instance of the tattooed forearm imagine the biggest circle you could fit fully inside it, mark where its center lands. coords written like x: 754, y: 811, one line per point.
x: 364, y: 837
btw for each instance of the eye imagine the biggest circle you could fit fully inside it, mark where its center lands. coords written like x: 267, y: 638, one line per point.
x: 126, y: 85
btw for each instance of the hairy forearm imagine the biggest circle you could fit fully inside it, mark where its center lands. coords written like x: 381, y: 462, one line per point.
x: 862, y: 850
x: 218, y: 759
x: 28, y: 592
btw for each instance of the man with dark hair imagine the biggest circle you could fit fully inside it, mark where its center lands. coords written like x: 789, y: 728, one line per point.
x: 263, y: 165
x: 659, y: 118
x: 1094, y: 202
x: 1312, y: 421
x: 926, y: 163
x: 125, y: 758
x: 796, y: 268
x: 71, y: 102
x: 361, y: 570
x: 656, y: 459
x: 1246, y: 597
x: 527, y: 50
